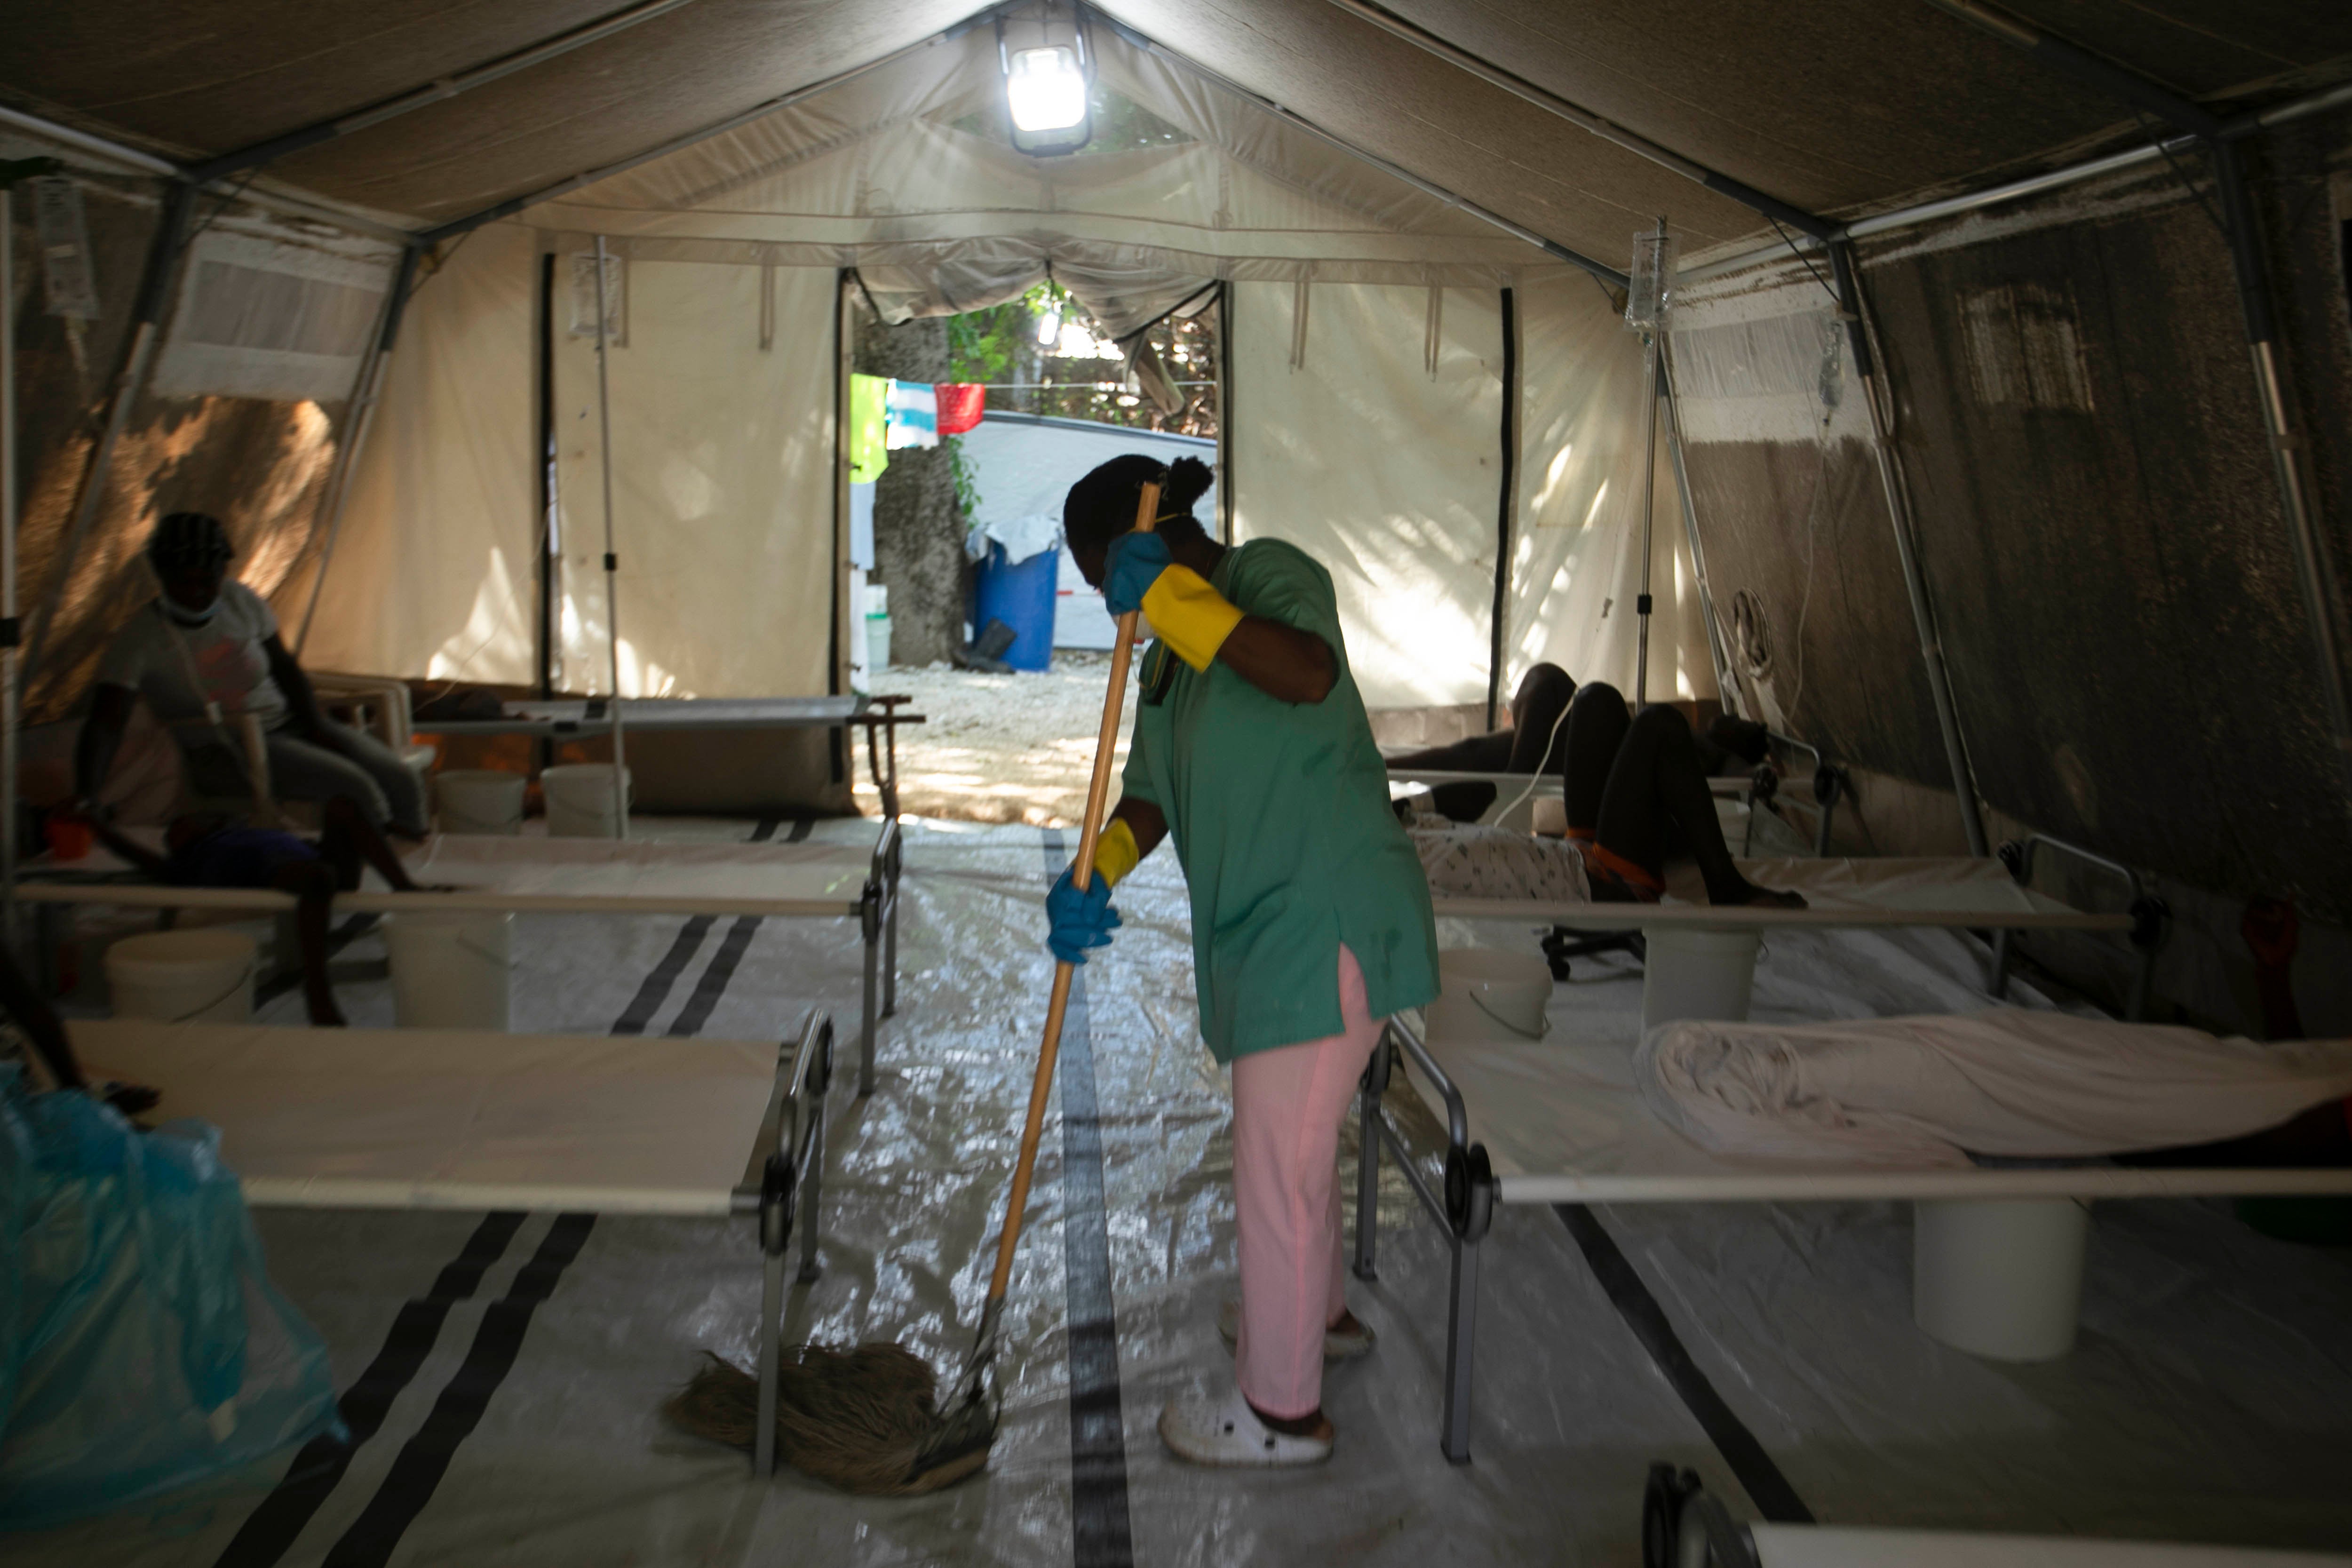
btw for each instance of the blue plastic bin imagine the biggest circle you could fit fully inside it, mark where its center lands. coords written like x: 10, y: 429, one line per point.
x: 1021, y: 596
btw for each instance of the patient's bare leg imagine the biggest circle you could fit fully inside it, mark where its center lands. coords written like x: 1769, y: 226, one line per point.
x: 313, y: 886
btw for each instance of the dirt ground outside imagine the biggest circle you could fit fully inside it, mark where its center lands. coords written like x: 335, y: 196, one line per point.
x: 1001, y: 748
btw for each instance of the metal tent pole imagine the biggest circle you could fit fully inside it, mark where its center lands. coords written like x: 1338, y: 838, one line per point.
x: 612, y: 559
x: 163, y: 261
x: 8, y: 626
x: 1898, y: 512
x: 1718, y: 650
x: 1650, y: 341
x: 359, y: 415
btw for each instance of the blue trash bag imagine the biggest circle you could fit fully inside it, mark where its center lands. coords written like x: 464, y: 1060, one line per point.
x: 142, y: 1348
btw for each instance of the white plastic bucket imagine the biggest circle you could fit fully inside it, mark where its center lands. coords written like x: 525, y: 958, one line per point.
x: 2001, y: 1278
x: 449, y: 969
x: 877, y: 642
x: 184, y: 976
x: 580, y: 801
x: 1693, y: 972
x: 479, y: 800
x: 1486, y: 997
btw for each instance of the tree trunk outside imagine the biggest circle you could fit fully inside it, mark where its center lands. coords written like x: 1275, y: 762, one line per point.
x: 918, y: 528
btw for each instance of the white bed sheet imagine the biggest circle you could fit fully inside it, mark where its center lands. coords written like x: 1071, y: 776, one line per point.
x: 1564, y: 1123
x: 456, y: 1118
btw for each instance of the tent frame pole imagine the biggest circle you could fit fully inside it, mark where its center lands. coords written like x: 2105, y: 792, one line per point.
x: 432, y: 92
x: 9, y: 627
x: 2307, y: 534
x: 165, y: 258
x: 612, y: 558
x: 1726, y: 686
x: 359, y: 414
x: 1654, y: 351
x: 1507, y: 511
x: 1914, y: 582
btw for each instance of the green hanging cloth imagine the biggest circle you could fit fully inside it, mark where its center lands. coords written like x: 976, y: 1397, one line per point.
x: 869, y: 397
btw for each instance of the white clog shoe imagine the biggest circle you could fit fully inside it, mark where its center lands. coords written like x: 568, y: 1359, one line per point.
x: 1337, y: 1346
x: 1229, y: 1435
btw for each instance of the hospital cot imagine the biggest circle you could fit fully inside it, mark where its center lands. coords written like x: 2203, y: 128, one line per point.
x: 491, y: 874
x: 1959, y: 893
x: 449, y: 1119
x: 1553, y: 1121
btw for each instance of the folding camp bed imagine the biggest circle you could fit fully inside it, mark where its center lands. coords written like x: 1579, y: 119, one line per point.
x: 1965, y: 893
x: 1684, y: 1526
x: 1553, y: 1121
x: 467, y: 1119
x: 580, y: 718
x: 595, y: 876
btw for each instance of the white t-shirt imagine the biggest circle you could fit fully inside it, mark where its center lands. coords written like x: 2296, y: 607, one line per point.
x: 179, y: 668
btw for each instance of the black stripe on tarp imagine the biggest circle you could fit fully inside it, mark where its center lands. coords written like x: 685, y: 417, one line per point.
x: 656, y: 988
x: 1100, y: 1536
x: 425, y: 1458
x: 1774, y: 1498
x: 712, y: 985
x: 320, y: 1466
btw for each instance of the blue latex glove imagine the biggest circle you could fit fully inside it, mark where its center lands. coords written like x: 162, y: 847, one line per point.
x: 1079, y: 921
x: 1131, y: 565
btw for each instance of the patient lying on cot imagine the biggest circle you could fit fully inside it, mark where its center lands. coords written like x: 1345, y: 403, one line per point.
x: 1534, y: 743
x: 1636, y: 795
x: 213, y: 851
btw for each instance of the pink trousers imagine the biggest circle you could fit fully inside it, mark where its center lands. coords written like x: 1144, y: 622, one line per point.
x: 1287, y: 1105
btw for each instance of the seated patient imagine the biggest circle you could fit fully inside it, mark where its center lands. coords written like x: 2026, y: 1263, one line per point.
x: 206, y: 654
x: 1637, y: 796
x: 207, y: 851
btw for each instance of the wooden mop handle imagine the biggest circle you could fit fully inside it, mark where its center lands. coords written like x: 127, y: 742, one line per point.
x: 1147, y: 517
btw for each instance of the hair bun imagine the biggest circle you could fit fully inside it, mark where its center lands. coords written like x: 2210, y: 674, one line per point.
x: 1188, y: 480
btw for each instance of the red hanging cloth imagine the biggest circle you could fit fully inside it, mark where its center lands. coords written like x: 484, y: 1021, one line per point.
x: 961, y: 403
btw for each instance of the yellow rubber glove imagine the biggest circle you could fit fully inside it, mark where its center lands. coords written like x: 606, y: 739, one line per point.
x: 1114, y: 852
x: 1189, y: 616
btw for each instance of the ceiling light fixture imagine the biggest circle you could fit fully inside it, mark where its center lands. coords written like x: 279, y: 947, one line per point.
x: 1046, y: 86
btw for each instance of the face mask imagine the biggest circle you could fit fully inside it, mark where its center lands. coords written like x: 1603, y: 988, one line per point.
x: 185, y: 616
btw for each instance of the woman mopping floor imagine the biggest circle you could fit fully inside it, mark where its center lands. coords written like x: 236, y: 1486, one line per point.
x: 1311, y: 918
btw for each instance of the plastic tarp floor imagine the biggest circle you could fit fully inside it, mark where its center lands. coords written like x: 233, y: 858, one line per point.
x: 519, y: 1363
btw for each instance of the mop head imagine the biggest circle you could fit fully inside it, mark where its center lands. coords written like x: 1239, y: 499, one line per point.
x: 863, y: 1419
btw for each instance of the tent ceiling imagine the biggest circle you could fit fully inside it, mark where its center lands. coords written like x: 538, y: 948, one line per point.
x: 1837, y: 104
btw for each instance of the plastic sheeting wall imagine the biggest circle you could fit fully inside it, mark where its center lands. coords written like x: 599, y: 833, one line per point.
x: 1386, y: 474
x: 434, y: 572
x: 723, y: 484
x: 1576, y: 559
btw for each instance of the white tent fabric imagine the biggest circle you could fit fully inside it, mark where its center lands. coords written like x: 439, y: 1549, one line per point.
x: 1388, y: 475
x: 1353, y: 438
x: 1575, y: 564
x: 722, y: 488
x: 434, y: 574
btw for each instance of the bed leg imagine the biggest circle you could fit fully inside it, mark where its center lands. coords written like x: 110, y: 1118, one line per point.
x: 811, y: 1189
x: 890, y: 941
x: 775, y: 1240
x: 2000, y: 965
x: 1367, y: 1159
x: 872, y: 926
x: 1461, y: 1349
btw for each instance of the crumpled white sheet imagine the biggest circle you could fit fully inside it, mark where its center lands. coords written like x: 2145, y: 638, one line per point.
x: 1930, y: 1090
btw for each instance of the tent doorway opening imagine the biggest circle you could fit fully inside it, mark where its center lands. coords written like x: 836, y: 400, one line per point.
x: 968, y: 599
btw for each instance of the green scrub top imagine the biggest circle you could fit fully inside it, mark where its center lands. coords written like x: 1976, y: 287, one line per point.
x: 1280, y: 817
